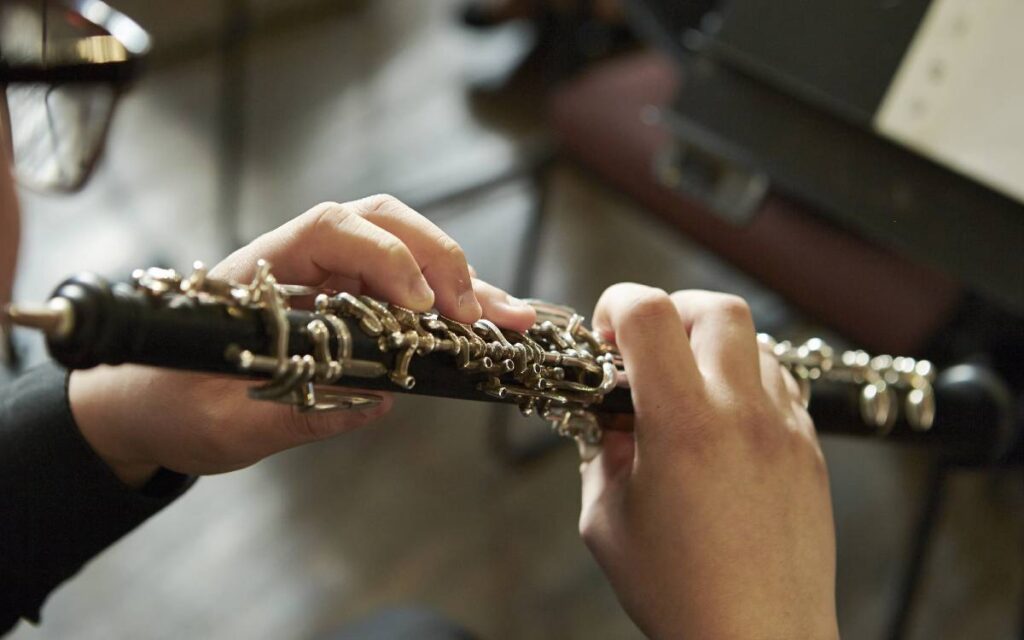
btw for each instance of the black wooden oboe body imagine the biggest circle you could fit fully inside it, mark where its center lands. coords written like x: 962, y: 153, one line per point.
x: 122, y: 324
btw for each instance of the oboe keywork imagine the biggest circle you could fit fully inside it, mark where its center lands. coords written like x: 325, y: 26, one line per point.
x: 558, y: 370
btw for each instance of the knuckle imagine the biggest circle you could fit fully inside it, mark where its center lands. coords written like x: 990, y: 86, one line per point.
x: 733, y: 307
x: 330, y: 214
x: 382, y: 204
x: 393, y: 248
x: 647, y: 307
x: 452, y: 249
x: 325, y: 207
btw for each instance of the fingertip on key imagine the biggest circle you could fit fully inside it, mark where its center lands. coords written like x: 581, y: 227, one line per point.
x: 421, y: 296
x: 468, y: 303
x: 518, y: 314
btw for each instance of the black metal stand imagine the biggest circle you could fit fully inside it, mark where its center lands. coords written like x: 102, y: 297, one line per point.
x: 924, y: 532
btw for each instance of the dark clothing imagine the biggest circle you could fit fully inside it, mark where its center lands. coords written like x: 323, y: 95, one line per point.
x: 60, y: 504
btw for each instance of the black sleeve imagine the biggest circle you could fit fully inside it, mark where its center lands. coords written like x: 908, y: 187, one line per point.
x: 60, y: 504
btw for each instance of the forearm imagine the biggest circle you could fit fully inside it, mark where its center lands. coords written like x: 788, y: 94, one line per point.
x: 61, y: 503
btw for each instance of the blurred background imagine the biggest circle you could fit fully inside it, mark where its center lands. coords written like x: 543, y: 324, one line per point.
x: 854, y: 169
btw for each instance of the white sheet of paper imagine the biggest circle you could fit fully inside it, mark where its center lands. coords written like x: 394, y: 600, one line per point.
x: 958, y: 96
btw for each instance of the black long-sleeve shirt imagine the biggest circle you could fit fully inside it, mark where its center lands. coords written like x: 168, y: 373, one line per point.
x: 60, y: 504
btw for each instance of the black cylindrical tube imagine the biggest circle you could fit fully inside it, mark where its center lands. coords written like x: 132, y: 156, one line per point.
x: 115, y: 324
x: 120, y: 324
x: 973, y: 415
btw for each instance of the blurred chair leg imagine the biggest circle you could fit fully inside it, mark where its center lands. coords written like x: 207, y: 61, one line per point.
x: 237, y: 23
x: 8, y: 353
x: 509, y: 450
x: 924, y: 530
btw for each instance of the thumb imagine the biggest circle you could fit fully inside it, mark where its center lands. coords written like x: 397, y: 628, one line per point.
x: 310, y: 426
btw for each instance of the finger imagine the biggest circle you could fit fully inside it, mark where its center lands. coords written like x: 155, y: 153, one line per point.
x: 603, y: 486
x: 772, y: 379
x: 327, y: 424
x: 613, y: 463
x: 502, y: 309
x: 332, y: 240
x: 440, y: 258
x: 784, y: 392
x: 656, y: 353
x: 803, y: 421
x: 609, y: 468
x: 722, y: 336
x: 333, y: 285
x: 257, y: 432
x: 801, y: 418
x: 792, y: 386
x: 343, y: 283
x: 472, y: 271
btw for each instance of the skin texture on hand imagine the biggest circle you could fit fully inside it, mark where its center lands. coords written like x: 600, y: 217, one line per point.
x: 713, y: 518
x: 139, y: 419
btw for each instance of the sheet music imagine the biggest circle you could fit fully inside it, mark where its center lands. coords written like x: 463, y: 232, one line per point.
x: 958, y: 96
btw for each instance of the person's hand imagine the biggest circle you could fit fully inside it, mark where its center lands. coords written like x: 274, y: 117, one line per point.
x: 139, y: 419
x: 713, y: 518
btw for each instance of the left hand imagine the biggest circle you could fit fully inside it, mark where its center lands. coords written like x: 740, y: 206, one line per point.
x: 139, y: 419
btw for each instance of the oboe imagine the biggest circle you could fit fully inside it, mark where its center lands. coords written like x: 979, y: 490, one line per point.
x: 558, y: 370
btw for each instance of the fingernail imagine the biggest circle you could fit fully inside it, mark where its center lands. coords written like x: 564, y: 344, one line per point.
x: 421, y: 293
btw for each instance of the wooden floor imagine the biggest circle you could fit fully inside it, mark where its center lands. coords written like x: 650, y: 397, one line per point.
x: 417, y: 510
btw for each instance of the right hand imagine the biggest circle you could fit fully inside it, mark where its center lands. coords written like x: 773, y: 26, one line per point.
x: 712, y: 519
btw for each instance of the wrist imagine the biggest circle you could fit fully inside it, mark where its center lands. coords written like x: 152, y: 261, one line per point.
x: 96, y: 402
x: 823, y: 629
x: 736, y: 609
x: 775, y: 621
